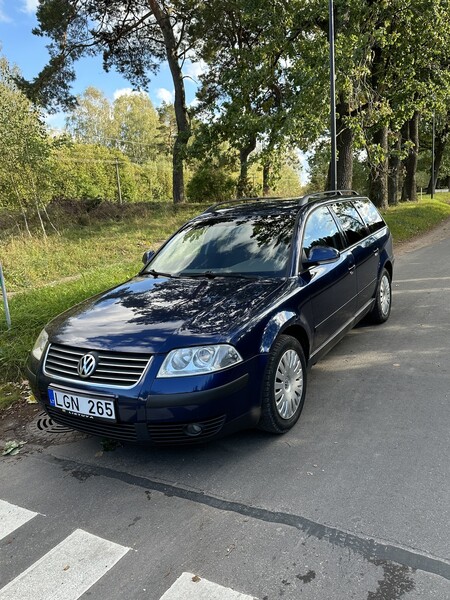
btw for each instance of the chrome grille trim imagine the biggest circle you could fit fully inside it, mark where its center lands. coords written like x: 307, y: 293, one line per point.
x: 114, y: 369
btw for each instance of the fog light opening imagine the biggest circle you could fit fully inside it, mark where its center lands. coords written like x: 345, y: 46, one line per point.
x: 193, y: 429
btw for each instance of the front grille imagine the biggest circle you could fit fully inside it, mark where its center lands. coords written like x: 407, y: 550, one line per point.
x: 175, y: 433
x: 120, y: 369
x: 117, y: 431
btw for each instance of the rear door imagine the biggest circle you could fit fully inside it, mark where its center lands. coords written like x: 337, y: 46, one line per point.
x: 364, y: 248
x: 332, y: 287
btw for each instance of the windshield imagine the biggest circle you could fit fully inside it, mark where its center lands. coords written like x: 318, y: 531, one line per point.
x: 257, y: 245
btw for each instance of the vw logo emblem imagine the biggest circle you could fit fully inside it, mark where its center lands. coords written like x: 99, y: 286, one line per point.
x: 87, y: 365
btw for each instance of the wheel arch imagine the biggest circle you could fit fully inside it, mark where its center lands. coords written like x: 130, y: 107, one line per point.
x: 286, y: 323
x: 389, y: 268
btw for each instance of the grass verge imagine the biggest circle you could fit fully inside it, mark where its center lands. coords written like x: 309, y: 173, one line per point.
x: 30, y: 262
x: 410, y: 219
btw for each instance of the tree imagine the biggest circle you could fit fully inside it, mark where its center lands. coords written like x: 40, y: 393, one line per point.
x: 24, y: 148
x: 129, y: 124
x: 135, y: 126
x: 441, y: 143
x: 90, y: 121
x: 246, y: 98
x: 134, y: 37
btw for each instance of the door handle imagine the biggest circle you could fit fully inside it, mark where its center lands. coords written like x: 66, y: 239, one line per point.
x: 351, y: 269
x: 376, y: 251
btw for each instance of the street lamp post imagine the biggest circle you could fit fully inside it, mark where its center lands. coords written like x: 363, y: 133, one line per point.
x: 433, y: 180
x: 333, y: 169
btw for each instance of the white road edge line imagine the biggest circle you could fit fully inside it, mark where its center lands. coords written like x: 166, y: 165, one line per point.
x: 191, y: 587
x: 67, y: 571
x: 12, y: 517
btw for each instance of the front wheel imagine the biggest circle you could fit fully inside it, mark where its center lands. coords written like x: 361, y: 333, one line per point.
x: 284, y: 386
x: 383, y: 299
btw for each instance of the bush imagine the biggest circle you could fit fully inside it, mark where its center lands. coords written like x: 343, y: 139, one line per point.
x: 210, y: 183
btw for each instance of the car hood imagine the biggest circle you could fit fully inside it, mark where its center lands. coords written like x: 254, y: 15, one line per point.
x: 149, y: 314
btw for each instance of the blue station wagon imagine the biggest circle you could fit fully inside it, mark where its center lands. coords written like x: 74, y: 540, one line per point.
x: 218, y: 330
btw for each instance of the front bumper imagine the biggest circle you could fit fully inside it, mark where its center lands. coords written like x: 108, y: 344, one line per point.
x: 166, y: 412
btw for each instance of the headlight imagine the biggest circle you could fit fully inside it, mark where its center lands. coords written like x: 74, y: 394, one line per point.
x: 199, y: 360
x: 40, y: 344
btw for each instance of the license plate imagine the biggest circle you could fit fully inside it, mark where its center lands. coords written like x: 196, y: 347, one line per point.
x: 74, y: 403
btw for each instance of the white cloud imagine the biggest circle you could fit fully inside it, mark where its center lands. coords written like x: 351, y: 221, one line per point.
x: 30, y: 6
x: 123, y: 92
x: 127, y: 91
x: 3, y: 16
x: 165, y: 95
x: 196, y: 68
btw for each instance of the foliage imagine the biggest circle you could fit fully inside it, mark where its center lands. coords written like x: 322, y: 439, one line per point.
x: 211, y: 183
x: 130, y: 124
x: 24, y: 146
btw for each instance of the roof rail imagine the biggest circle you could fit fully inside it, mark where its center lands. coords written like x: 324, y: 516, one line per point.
x: 214, y: 207
x: 329, y: 193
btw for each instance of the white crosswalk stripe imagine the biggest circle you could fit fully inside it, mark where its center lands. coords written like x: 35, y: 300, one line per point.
x: 13, y: 517
x: 73, y: 566
x: 67, y: 571
x: 191, y: 587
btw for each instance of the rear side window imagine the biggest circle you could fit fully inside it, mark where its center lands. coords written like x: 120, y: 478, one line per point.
x: 321, y: 230
x: 351, y: 222
x: 370, y: 214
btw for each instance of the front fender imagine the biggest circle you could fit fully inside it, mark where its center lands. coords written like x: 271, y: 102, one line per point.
x: 279, y: 323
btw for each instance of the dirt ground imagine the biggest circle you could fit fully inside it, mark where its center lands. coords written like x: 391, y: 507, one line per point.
x: 14, y: 420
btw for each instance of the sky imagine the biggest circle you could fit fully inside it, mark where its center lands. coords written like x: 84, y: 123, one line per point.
x: 29, y: 53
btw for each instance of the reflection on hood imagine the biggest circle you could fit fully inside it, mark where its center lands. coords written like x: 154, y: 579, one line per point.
x: 147, y: 314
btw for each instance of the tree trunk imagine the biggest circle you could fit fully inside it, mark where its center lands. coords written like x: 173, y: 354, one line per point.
x: 394, y: 165
x: 440, y: 145
x: 181, y: 113
x: 378, y: 176
x: 410, y: 184
x: 266, y: 179
x: 344, y: 143
x: 243, y: 186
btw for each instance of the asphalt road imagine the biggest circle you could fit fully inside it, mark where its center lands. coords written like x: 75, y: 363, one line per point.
x: 353, y: 503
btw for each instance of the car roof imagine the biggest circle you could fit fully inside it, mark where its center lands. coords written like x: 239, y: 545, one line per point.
x: 264, y: 205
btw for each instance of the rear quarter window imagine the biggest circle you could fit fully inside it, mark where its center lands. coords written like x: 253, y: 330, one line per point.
x: 351, y: 222
x: 370, y: 214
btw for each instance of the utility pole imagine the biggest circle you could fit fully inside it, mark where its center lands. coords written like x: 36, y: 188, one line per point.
x: 119, y: 191
x: 333, y: 164
x: 433, y: 180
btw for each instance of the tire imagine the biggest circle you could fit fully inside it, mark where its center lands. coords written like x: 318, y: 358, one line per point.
x: 383, y: 299
x: 284, y: 386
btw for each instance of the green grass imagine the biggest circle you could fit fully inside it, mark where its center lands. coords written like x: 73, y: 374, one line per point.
x: 106, y: 254
x: 29, y: 262
x: 410, y: 219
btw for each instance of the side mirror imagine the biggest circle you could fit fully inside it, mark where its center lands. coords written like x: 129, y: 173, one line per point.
x: 148, y: 255
x: 320, y: 255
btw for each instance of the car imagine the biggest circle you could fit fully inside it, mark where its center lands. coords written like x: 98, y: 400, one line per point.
x: 219, y: 329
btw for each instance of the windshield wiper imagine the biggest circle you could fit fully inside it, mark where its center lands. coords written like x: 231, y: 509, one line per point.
x: 159, y: 274
x: 214, y: 274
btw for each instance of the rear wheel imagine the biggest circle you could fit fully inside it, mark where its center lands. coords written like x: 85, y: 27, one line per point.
x: 284, y: 386
x: 383, y: 300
